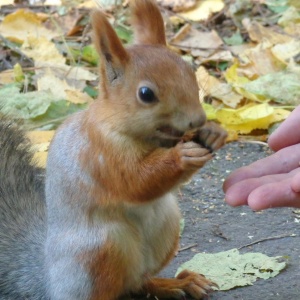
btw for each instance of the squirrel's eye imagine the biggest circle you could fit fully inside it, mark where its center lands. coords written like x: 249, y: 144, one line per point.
x: 146, y: 95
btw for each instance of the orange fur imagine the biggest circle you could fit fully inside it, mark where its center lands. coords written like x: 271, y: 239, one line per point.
x: 186, y: 282
x: 104, y: 266
x: 131, y: 158
x: 147, y: 23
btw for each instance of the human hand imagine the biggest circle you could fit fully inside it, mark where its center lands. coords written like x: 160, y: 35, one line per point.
x: 273, y: 181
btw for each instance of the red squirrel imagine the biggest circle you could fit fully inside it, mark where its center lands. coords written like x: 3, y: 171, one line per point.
x: 110, y: 219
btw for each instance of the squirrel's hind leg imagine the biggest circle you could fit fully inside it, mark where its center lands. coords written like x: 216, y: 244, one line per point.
x: 186, y: 283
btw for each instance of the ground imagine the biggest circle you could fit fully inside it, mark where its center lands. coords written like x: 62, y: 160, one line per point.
x: 214, y: 226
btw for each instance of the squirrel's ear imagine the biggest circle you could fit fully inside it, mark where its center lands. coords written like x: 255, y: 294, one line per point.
x: 147, y: 22
x: 112, y: 53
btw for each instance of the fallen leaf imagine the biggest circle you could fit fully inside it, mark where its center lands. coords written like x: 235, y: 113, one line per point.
x: 197, y: 41
x: 75, y: 77
x: 286, y: 52
x: 7, y: 77
x: 40, y: 144
x: 42, y: 50
x: 211, y: 86
x: 237, y: 82
x: 259, y: 61
x: 178, y: 5
x: 24, y: 105
x: 235, y: 39
x: 40, y: 136
x: 250, y: 117
x: 259, y: 33
x: 231, y: 269
x: 282, y: 87
x: 290, y: 16
x: 62, y: 90
x: 22, y: 24
x: 203, y: 10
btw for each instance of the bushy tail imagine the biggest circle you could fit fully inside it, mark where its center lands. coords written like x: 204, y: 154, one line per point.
x: 22, y: 217
x: 16, y: 168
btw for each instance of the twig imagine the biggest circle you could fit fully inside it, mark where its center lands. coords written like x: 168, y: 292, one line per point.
x: 255, y: 142
x: 268, y: 239
x: 187, y: 247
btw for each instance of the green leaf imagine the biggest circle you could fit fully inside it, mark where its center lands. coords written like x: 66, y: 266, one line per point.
x: 124, y: 34
x: 90, y: 55
x: 282, y: 87
x: 24, y: 105
x: 277, y: 6
x: 231, y: 269
x: 92, y: 92
x: 235, y: 39
x: 56, y: 113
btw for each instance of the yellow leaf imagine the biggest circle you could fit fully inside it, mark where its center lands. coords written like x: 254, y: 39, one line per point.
x: 40, y: 159
x: 210, y: 111
x: 23, y: 23
x: 237, y: 82
x: 203, y: 10
x: 18, y: 73
x: 250, y: 117
x: 78, y: 97
x: 41, y: 141
x: 38, y: 137
x: 43, y: 50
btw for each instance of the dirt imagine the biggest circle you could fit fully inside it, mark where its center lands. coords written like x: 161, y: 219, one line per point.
x: 213, y: 226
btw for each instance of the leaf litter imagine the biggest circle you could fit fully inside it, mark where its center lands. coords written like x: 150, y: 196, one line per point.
x: 245, y: 55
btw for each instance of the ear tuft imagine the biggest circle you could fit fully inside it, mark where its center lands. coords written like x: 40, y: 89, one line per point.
x: 147, y: 22
x: 106, y: 39
x: 109, y: 47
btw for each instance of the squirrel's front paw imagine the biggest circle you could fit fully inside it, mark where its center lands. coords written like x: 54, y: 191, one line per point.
x: 211, y: 136
x: 192, y: 155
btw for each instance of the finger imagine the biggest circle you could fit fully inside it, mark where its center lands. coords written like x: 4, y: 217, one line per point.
x: 278, y: 194
x: 295, y: 182
x: 287, y: 133
x: 282, y: 161
x: 238, y: 193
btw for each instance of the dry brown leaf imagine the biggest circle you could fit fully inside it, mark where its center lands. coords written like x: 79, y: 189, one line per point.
x: 217, y: 56
x: 259, y: 33
x: 210, y: 85
x: 61, y: 89
x: 75, y: 77
x: 197, y: 42
x: 258, y: 61
x: 286, y: 52
x: 178, y: 5
x: 7, y: 77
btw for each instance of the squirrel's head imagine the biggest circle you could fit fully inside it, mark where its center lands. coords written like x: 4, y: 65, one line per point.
x: 148, y: 90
